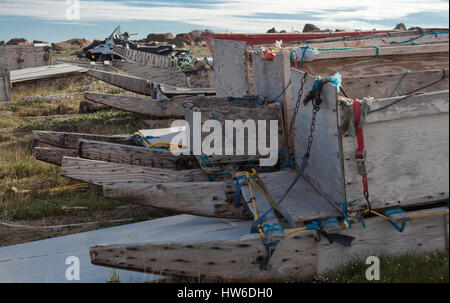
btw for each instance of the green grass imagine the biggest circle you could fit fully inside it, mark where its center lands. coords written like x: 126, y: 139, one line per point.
x: 407, y: 268
x: 20, y: 169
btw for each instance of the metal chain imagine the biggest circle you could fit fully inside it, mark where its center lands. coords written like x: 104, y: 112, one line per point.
x: 297, y: 106
x: 316, y: 109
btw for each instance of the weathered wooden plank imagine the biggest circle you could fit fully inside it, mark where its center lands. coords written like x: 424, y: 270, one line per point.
x: 236, y: 259
x: 70, y: 140
x: 210, y: 199
x: 402, y: 107
x: 383, y: 51
x: 366, y: 66
x: 167, y: 75
x: 230, y: 70
x: 298, y: 256
x: 53, y: 155
x: 140, y: 105
x: 324, y: 166
x: 233, y: 114
x: 407, y: 161
x: 303, y: 202
x: 142, y: 86
x: 134, y: 155
x: 383, y: 86
x: 103, y: 173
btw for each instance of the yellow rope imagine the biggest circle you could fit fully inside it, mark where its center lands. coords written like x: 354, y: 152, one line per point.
x: 252, y: 198
x: 51, y: 190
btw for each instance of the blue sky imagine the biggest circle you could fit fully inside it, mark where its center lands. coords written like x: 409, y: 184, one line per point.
x: 49, y: 20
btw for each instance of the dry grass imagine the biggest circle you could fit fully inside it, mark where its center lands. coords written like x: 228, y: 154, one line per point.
x: 20, y: 169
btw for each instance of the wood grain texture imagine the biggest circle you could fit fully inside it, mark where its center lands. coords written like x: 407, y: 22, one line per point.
x: 134, y: 155
x: 407, y: 161
x: 210, y: 199
x: 70, y: 140
x: 298, y: 256
x: 383, y: 86
x: 324, y: 166
x: 366, y: 66
x: 53, y: 155
x: 303, y: 202
x: 167, y: 75
x: 140, y: 105
x: 230, y: 72
x: 236, y: 259
x: 108, y: 173
x: 142, y: 86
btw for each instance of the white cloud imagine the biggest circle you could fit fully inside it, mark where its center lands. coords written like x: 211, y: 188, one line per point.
x: 236, y: 15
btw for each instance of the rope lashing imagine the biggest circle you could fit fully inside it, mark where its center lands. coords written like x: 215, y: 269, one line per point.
x: 400, y: 82
x: 344, y: 206
x: 420, y: 36
x: 377, y: 50
x: 389, y: 212
x: 303, y: 165
x: 282, y: 92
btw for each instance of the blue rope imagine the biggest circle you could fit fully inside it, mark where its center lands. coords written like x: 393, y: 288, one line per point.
x: 282, y: 92
x: 344, y: 211
x: 389, y: 212
x: 400, y: 82
x: 329, y: 221
x: 312, y: 226
x: 426, y: 34
x: 378, y: 50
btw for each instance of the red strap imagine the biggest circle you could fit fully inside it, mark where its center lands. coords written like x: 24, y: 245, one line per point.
x: 359, y: 138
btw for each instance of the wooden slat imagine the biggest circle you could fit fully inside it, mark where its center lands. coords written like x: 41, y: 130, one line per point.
x: 141, y: 86
x: 367, y: 66
x: 103, y: 173
x: 133, y: 155
x: 210, y: 199
x: 407, y: 148
x: 324, y: 166
x: 303, y: 202
x: 140, y: 105
x: 383, y: 86
x: 70, y: 140
x: 236, y: 259
x: 230, y: 72
x: 53, y: 155
x: 298, y: 256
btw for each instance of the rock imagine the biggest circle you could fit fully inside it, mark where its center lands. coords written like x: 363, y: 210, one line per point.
x: 283, y: 31
x: 58, y: 47
x: 339, y: 30
x: 159, y: 37
x: 415, y: 28
x: 309, y: 27
x: 18, y: 41
x: 78, y: 42
x: 182, y: 40
x: 38, y: 41
x: 271, y: 31
x: 400, y: 26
